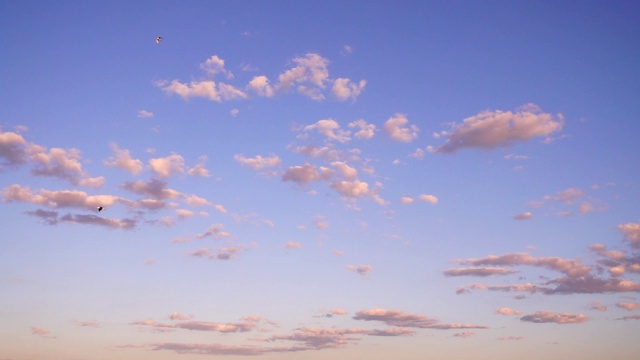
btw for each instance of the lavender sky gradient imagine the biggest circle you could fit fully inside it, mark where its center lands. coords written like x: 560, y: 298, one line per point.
x: 312, y: 180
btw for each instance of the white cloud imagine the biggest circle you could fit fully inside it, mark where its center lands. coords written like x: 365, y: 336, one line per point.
x: 145, y: 114
x: 490, y: 129
x: 205, y: 89
x: 397, y: 128
x: 344, y: 89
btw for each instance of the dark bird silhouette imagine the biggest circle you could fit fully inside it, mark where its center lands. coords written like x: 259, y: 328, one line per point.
x: 100, y: 208
x: 158, y: 39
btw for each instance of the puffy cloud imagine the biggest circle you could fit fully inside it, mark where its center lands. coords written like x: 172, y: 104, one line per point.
x: 63, y: 164
x: 507, y: 311
x: 551, y: 317
x: 329, y: 128
x: 122, y: 159
x: 367, y: 131
x: 523, y: 216
x: 215, y: 65
x: 14, y: 149
x: 428, y: 198
x: 145, y: 114
x: 184, y: 213
x: 478, y: 271
x: 310, y: 72
x: 490, y: 129
x: 260, y: 85
x: 402, y: 319
x: 355, y: 189
x: 258, y: 162
x: 230, y: 92
x: 345, y: 170
x: 397, y: 128
x: 628, y: 305
x: 58, y: 199
x: 306, y: 173
x: 325, y: 152
x: 631, y: 232
x: 167, y: 166
x: 199, y: 169
x: 344, y: 89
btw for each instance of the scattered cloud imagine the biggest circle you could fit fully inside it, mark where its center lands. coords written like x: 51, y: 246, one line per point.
x: 167, y: 166
x: 330, y: 129
x: 307, y: 173
x: 258, y: 162
x: 366, y: 130
x: 293, y: 245
x: 523, y: 216
x: 428, y: 198
x: 310, y: 74
x: 507, y: 311
x: 628, y: 305
x: 631, y: 232
x: 215, y: 65
x: 402, y: 319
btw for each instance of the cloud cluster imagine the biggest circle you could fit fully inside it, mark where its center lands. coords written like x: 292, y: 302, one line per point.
x: 309, y: 76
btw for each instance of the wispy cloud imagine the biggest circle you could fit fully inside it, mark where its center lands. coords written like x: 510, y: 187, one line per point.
x: 552, y: 317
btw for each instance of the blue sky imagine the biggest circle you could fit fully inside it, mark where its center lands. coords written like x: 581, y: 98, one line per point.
x: 286, y: 180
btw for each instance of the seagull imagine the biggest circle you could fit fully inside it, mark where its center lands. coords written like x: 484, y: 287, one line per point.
x: 100, y: 208
x: 158, y: 39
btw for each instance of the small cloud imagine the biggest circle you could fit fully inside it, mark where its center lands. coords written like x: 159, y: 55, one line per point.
x: 363, y: 270
x: 258, y: 162
x: 464, y: 334
x: 523, y: 216
x: 293, y: 245
x: 428, y: 198
x: 179, y: 316
x: 406, y: 200
x: 507, y: 311
x: 234, y: 112
x: 145, y: 114
x: 338, y: 252
x: 150, y: 262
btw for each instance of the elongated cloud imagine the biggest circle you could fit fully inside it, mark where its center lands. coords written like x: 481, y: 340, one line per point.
x: 258, y: 162
x: 214, y: 231
x: 155, y: 188
x: 628, y: 305
x: 398, y: 129
x: 490, y: 129
x: 363, y: 270
x: 122, y: 159
x: 557, y: 318
x: 199, y: 326
x: 58, y: 199
x: 402, y: 319
x: 478, y: 271
x: 570, y: 267
x: 428, y: 198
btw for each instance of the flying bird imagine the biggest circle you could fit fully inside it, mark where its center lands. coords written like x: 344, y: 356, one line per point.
x: 158, y: 39
x: 100, y: 208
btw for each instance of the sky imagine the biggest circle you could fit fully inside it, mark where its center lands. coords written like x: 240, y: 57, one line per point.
x: 312, y: 180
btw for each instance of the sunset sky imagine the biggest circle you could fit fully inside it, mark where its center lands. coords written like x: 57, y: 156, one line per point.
x: 319, y: 180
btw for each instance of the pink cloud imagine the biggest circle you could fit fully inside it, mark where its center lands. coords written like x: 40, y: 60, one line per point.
x: 399, y: 318
x: 293, y: 245
x: 628, y: 305
x: 464, y: 334
x: 167, y: 166
x: 491, y: 129
x: 631, y: 232
x: 478, y: 271
x: 122, y: 159
x: 551, y: 317
x: 179, y: 316
x: 363, y: 270
x: 306, y: 173
x: 258, y: 162
x: 570, y: 267
x: 507, y: 311
x: 523, y: 216
x: 398, y: 129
